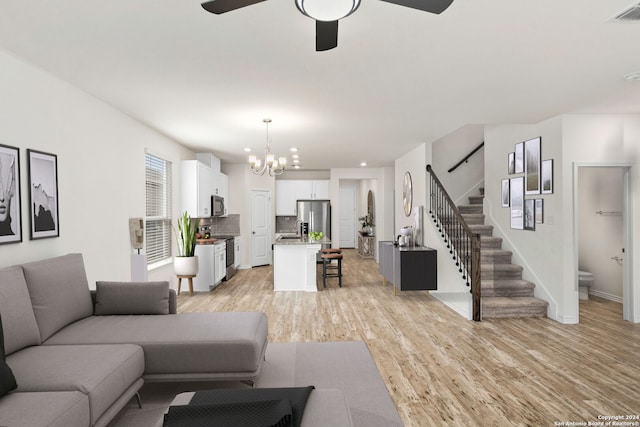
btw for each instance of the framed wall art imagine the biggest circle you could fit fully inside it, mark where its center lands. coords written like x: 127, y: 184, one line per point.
x: 505, y: 193
x: 539, y: 211
x: 43, y: 194
x: 511, y: 162
x: 10, y: 201
x: 546, y: 170
x: 529, y: 214
x: 518, y: 166
x: 516, y: 199
x: 532, y: 166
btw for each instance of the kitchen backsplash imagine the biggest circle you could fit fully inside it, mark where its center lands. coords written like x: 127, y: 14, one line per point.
x: 223, y: 226
x: 286, y: 224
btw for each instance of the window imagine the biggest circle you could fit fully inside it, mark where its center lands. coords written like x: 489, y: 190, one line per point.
x: 158, y: 211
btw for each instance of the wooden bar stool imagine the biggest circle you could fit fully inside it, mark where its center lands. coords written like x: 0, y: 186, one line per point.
x: 327, y: 258
x: 190, y: 279
x: 332, y: 251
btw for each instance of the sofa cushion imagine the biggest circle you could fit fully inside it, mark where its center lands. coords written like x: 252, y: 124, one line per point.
x: 45, y: 409
x: 181, y: 346
x: 59, y: 292
x: 102, y: 372
x: 132, y: 298
x: 19, y: 322
x: 7, y: 380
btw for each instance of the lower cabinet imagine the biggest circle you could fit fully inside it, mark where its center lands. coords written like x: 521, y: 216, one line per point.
x: 412, y: 268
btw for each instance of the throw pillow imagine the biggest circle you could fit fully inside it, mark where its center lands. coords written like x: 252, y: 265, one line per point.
x: 132, y: 298
x: 7, y: 380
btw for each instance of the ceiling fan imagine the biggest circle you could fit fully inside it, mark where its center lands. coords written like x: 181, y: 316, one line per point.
x: 327, y: 13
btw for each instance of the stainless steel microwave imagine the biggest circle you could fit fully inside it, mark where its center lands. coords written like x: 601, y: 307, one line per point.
x: 217, y: 206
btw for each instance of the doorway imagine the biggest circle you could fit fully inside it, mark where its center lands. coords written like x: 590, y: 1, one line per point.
x: 602, y: 221
x: 347, y: 217
x: 260, y: 228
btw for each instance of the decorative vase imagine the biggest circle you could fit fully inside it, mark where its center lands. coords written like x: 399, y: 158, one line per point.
x: 370, y: 230
x: 185, y: 265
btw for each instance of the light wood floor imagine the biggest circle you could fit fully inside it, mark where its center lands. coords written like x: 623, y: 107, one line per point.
x: 441, y: 369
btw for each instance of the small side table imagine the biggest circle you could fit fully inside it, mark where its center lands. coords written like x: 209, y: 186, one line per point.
x: 190, y: 279
x: 366, y: 245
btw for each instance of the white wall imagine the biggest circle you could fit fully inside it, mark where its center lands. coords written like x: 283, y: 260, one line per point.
x: 452, y: 148
x: 600, y: 235
x: 101, y: 170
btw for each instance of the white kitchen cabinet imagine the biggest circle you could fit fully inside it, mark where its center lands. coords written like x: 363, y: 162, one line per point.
x: 220, y: 269
x: 236, y: 252
x: 286, y: 198
x: 197, y: 188
x: 289, y: 191
x: 205, y: 279
x: 312, y: 189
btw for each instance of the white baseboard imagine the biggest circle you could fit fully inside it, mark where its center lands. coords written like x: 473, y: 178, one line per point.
x: 458, y: 302
x: 605, y: 295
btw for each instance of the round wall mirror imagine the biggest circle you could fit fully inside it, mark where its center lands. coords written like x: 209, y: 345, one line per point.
x: 407, y: 194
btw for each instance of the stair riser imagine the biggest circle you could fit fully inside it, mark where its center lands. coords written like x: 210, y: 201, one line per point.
x: 494, y: 243
x: 472, y: 209
x: 500, y: 274
x: 507, y: 292
x: 482, y: 230
x: 494, y: 259
x: 476, y: 200
x: 514, y: 312
x: 473, y: 219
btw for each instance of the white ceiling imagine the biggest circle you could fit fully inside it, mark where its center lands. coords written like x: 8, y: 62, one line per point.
x: 399, y: 77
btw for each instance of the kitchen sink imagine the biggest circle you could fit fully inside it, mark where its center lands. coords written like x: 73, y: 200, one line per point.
x: 290, y: 238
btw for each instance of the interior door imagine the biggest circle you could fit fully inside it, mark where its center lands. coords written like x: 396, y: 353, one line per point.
x: 260, y: 227
x: 347, y: 217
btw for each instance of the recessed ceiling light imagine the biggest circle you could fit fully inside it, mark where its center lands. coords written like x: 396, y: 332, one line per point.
x: 247, y: 150
x: 293, y: 149
x: 633, y: 77
x: 296, y: 166
x: 295, y: 156
x: 363, y: 164
x: 296, y: 161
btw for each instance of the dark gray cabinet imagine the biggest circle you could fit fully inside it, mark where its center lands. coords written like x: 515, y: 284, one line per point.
x: 411, y: 268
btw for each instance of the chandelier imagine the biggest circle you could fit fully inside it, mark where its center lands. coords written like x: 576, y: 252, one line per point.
x: 275, y: 167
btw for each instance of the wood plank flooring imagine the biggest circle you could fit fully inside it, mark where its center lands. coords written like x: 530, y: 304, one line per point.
x: 441, y: 369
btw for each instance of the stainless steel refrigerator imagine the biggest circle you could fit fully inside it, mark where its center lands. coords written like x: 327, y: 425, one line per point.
x: 318, y: 214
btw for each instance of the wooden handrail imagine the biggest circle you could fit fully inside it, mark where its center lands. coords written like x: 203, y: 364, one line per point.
x: 466, y: 157
x: 462, y: 242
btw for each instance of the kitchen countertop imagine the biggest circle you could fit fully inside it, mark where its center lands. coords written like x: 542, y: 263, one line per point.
x: 298, y: 241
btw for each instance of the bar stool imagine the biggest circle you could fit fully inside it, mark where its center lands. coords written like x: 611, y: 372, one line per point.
x: 189, y: 279
x: 331, y: 251
x: 327, y: 259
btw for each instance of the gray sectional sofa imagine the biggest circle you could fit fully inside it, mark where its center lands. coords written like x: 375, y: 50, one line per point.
x: 79, y: 358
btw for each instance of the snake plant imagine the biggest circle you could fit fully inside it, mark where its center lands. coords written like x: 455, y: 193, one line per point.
x: 186, y: 235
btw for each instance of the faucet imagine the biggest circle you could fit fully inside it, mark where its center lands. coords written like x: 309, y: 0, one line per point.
x: 298, y: 226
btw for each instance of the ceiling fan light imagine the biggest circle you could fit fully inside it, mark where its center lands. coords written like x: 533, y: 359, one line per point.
x: 327, y: 10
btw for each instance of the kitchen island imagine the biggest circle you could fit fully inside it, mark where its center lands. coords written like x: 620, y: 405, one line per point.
x: 294, y: 263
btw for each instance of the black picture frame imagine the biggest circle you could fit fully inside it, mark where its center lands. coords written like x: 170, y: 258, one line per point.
x: 516, y: 200
x: 546, y: 173
x: 532, y: 166
x: 43, y: 194
x: 539, y: 211
x: 518, y: 165
x: 530, y: 214
x: 505, y: 191
x: 511, y: 163
x: 10, y: 196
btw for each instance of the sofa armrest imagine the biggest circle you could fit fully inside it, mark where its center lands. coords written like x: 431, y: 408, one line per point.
x: 121, y: 298
x: 173, y: 302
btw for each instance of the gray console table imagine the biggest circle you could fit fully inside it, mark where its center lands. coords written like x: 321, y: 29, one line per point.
x: 412, y: 268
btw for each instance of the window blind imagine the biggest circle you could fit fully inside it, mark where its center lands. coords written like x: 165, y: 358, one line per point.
x: 158, y: 210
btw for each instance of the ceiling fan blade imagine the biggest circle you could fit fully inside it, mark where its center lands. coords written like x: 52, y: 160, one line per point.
x: 433, y: 6
x: 326, y: 35
x: 222, y: 6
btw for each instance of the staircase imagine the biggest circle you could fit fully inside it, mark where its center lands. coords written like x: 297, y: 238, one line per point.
x: 504, y: 292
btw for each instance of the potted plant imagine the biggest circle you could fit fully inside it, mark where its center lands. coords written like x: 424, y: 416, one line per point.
x: 367, y: 224
x: 186, y: 263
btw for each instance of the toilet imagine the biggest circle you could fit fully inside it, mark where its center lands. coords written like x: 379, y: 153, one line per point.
x: 585, y: 279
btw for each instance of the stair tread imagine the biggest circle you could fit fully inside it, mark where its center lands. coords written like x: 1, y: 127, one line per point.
x: 503, y: 283
x: 490, y: 251
x: 499, y: 266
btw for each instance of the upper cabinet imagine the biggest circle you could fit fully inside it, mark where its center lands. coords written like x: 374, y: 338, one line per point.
x: 201, y: 179
x: 289, y: 191
x: 197, y: 187
x: 286, y: 198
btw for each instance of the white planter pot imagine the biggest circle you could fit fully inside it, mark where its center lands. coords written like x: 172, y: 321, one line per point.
x: 185, y: 265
